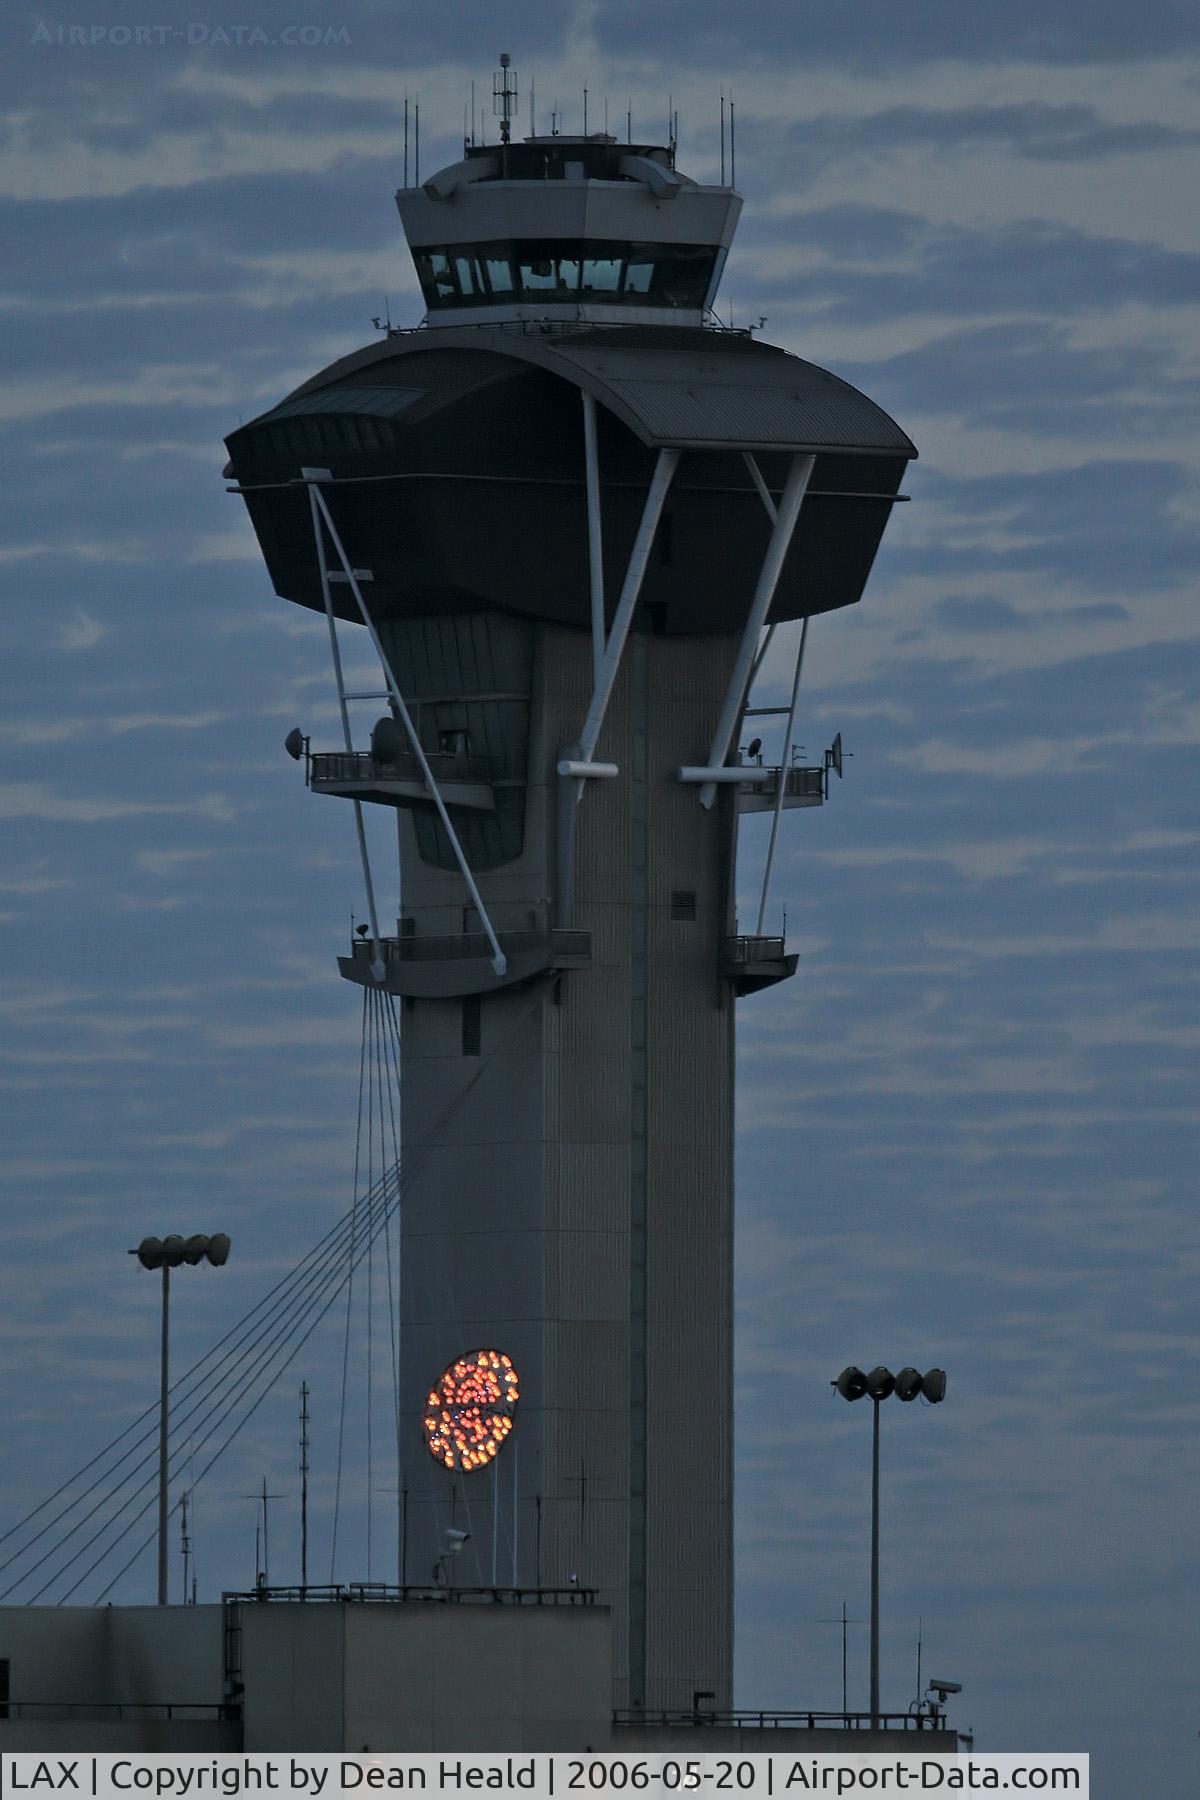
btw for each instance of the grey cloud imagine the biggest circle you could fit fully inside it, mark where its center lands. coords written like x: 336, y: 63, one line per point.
x: 980, y: 612
x: 1029, y: 376
x: 1029, y: 265
x: 1033, y: 128
x: 874, y: 35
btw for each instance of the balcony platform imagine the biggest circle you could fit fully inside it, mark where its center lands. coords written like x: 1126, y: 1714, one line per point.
x: 357, y: 775
x: 804, y: 787
x: 752, y: 963
x: 447, y: 968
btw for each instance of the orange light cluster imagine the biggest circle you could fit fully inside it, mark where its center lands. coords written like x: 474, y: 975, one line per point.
x: 468, y: 1413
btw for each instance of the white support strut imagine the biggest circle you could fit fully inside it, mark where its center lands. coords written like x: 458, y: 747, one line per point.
x: 785, y: 763
x: 799, y: 474
x: 639, y: 556
x: 378, y: 968
x: 591, y: 457
x: 498, y: 959
x: 772, y: 512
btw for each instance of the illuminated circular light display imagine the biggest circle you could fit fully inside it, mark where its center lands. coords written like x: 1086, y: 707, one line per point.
x: 469, y: 1409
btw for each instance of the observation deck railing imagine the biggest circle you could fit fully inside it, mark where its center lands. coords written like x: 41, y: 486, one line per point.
x: 94, y: 1712
x: 379, y: 1593
x: 443, y: 967
x: 932, y: 1720
x: 339, y: 766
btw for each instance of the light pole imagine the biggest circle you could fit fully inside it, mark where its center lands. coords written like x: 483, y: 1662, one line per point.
x: 852, y: 1384
x: 167, y: 1254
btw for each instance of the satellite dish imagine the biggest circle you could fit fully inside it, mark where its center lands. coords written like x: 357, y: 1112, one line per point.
x: 753, y: 747
x: 851, y: 1384
x: 908, y: 1384
x: 293, y: 743
x: 880, y: 1383
x: 387, y: 741
x: 218, y: 1250
x: 933, y: 1385
x: 833, y: 759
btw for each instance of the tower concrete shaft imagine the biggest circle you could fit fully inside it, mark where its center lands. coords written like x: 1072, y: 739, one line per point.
x: 569, y: 1186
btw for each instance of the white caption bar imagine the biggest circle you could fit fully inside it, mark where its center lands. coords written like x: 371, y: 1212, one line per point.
x: 111, y: 1777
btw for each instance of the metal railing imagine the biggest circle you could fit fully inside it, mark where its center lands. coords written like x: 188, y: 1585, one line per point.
x: 96, y: 1711
x: 934, y: 1720
x: 385, y: 1593
x: 803, y: 781
x: 753, y: 949
x: 341, y: 766
x: 471, y: 945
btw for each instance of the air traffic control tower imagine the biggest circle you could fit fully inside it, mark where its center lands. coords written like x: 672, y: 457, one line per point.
x: 568, y: 510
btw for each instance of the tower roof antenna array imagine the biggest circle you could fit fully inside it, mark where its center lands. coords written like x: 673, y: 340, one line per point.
x: 504, y: 96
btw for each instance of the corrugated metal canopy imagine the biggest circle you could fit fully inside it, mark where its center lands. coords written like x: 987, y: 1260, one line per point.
x: 378, y: 402
x: 689, y: 389
x: 708, y: 400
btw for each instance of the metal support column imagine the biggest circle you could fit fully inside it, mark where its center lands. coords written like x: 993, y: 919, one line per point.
x: 875, y: 1567
x: 377, y: 963
x: 595, y: 537
x: 785, y: 761
x: 639, y: 556
x: 499, y: 960
x: 768, y: 580
x: 162, y: 1438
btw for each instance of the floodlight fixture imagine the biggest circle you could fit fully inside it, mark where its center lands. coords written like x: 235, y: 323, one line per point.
x: 851, y: 1384
x: 880, y: 1383
x: 166, y: 1254
x: 908, y: 1384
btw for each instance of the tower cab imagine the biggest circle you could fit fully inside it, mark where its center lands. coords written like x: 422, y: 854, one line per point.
x: 568, y: 229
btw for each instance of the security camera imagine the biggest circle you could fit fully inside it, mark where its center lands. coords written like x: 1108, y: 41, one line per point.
x: 455, y: 1540
x: 942, y: 1688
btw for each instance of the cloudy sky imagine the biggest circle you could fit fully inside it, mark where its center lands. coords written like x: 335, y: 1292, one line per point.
x: 968, y: 1128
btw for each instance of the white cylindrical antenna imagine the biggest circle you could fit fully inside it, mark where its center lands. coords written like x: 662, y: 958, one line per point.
x: 417, y: 141
x: 629, y: 123
x: 585, y: 130
x: 732, y: 147
x: 406, y: 140
x: 532, y: 107
x: 722, y: 140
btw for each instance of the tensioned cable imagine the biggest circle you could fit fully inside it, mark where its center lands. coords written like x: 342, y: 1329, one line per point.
x: 390, y: 1032
x: 309, y: 1274
x: 332, y: 1286
x: 180, y: 1384
x: 233, y: 1434
x: 221, y: 1408
x: 277, y: 1297
x: 379, y: 1213
x: 337, y: 1492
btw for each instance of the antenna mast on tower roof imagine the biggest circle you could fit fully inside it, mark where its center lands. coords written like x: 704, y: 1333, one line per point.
x: 504, y: 97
